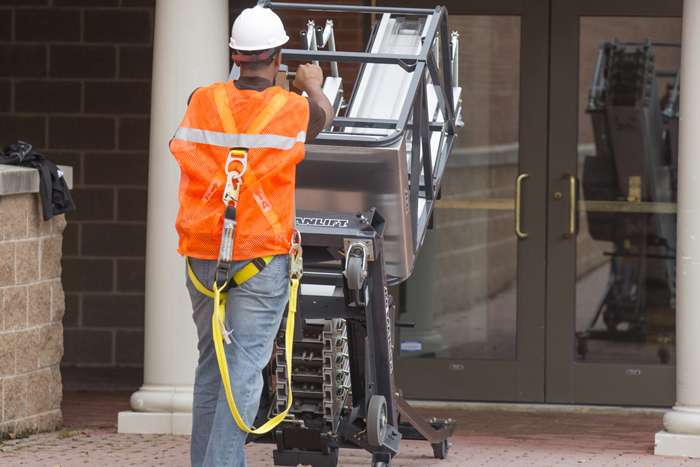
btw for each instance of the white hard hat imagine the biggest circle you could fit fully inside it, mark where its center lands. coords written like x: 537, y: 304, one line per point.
x: 257, y: 28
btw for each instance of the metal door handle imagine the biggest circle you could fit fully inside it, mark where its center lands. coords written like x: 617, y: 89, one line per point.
x: 518, y: 183
x: 572, y: 206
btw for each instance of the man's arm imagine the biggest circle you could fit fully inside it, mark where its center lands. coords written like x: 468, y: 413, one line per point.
x: 309, y: 78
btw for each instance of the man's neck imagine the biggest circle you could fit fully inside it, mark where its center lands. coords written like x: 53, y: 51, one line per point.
x: 267, y: 74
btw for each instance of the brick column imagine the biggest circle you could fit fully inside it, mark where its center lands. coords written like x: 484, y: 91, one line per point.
x: 682, y: 434
x: 31, y: 304
x: 190, y: 50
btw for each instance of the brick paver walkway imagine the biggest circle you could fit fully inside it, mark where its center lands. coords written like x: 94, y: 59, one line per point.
x: 483, y: 438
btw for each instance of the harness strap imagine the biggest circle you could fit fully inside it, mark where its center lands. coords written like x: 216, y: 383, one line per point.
x: 248, y: 271
x: 217, y: 321
x: 261, y: 121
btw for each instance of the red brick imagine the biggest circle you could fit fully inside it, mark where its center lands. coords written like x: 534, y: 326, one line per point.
x: 113, y: 311
x: 89, y: 3
x: 81, y: 132
x: 92, y: 204
x: 87, y: 346
x: 29, y: 129
x: 47, y: 24
x: 47, y: 96
x: 6, y: 21
x: 136, y: 62
x: 131, y: 275
x: 134, y: 133
x: 118, y: 97
x: 87, y: 275
x: 24, y: 2
x: 129, y: 348
x: 83, y: 61
x: 116, y: 169
x: 132, y: 204
x: 113, y: 240
x: 22, y: 60
x: 139, y: 3
x: 118, y: 26
x: 5, y: 96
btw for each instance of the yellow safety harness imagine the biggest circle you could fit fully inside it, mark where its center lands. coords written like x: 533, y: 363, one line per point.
x: 238, y: 158
x: 220, y: 334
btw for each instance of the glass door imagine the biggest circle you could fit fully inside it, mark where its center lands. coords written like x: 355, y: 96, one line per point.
x: 611, y: 203
x: 477, y: 293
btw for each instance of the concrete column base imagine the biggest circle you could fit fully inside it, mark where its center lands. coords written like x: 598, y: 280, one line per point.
x: 158, y: 409
x: 155, y: 423
x: 158, y: 398
x: 682, y: 434
x: 673, y: 444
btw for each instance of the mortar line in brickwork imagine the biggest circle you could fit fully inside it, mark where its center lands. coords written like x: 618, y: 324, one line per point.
x: 117, y: 293
x: 114, y: 347
x: 80, y: 313
x: 108, y: 222
x: 82, y: 24
x: 117, y: 58
x: 102, y: 329
x: 117, y: 126
x: 73, y: 115
x: 115, y: 286
x: 115, y: 203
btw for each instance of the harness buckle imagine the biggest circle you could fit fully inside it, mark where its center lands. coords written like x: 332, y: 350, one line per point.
x: 232, y: 190
x: 296, y: 261
x: 239, y: 155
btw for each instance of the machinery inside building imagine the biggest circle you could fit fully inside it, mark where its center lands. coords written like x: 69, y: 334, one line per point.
x: 634, y: 171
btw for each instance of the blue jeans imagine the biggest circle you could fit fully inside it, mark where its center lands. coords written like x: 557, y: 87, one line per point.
x: 254, y: 311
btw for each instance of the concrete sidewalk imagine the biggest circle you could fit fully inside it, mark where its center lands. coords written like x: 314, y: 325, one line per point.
x: 483, y: 438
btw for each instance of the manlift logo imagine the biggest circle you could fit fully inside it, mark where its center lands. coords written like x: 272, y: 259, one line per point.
x: 321, y: 222
x: 388, y: 330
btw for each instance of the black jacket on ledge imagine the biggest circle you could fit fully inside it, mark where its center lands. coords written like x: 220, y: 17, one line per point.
x: 55, y: 197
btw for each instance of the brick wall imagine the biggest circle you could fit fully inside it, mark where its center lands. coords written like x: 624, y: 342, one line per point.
x: 75, y: 81
x: 32, y: 304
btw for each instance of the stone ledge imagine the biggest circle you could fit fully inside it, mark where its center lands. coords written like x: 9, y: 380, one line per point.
x: 15, y: 179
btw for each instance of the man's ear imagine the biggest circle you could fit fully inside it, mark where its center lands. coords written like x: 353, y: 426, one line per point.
x: 278, y: 59
x: 236, y: 62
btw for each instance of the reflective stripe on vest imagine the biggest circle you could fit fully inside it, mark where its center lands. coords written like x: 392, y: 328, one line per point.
x: 228, y: 140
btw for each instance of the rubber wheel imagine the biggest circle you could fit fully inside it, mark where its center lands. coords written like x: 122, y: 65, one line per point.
x: 354, y: 273
x: 379, y: 464
x: 376, y: 421
x: 440, y: 449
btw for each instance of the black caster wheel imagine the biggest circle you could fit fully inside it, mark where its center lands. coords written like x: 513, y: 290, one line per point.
x: 379, y: 464
x: 582, y: 344
x: 441, y: 449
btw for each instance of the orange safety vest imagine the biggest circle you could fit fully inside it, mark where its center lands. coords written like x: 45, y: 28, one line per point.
x: 272, y: 125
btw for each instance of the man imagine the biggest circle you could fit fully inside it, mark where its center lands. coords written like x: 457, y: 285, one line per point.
x: 253, y: 132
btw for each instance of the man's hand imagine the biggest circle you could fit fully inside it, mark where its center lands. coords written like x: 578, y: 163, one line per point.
x: 308, y: 76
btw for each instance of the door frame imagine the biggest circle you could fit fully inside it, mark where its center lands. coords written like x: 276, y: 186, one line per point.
x: 569, y: 381
x: 521, y: 379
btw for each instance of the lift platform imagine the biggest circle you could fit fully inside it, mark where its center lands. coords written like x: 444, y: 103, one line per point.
x: 636, y: 163
x: 365, y: 194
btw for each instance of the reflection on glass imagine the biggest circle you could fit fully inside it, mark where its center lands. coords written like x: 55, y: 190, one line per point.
x: 466, y: 272
x: 628, y: 114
